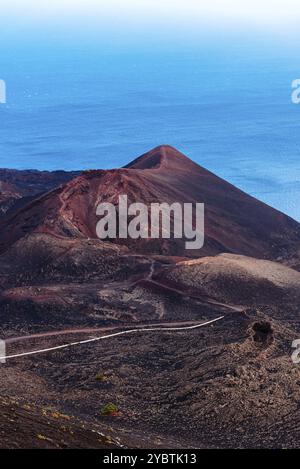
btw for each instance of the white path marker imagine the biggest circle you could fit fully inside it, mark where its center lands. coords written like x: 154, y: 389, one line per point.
x: 115, y: 334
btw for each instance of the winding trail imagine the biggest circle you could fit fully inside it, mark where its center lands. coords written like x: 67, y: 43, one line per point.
x: 91, y: 330
x: 174, y: 289
x: 115, y: 334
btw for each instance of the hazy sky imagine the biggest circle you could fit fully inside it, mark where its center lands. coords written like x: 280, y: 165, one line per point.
x: 276, y: 14
x: 267, y: 9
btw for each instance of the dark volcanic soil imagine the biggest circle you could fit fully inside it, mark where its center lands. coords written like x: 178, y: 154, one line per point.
x: 225, y: 385
x: 231, y: 383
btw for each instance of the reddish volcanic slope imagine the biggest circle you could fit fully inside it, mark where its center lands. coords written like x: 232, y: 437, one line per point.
x: 30, y: 182
x: 234, y: 222
x: 16, y: 185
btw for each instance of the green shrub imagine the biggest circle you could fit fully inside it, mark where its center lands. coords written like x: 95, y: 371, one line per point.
x: 101, y: 377
x: 109, y: 409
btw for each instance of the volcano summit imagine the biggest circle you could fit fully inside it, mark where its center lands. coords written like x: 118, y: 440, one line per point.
x: 234, y: 221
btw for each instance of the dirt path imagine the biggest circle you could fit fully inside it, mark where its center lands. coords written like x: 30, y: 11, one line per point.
x: 91, y: 330
x: 129, y: 331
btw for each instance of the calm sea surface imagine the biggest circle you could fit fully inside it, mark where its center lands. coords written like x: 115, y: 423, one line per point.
x: 228, y: 110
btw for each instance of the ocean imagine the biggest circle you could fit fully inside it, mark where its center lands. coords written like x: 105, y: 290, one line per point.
x: 226, y: 106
